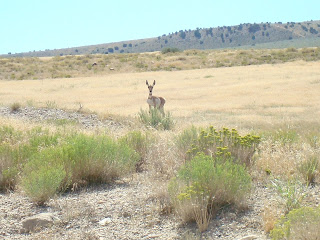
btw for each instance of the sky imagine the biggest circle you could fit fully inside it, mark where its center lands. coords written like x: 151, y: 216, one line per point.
x: 27, y: 25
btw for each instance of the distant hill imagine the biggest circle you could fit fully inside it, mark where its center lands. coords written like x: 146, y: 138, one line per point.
x: 262, y: 35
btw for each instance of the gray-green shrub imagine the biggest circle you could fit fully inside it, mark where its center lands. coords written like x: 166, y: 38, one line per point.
x: 85, y: 160
x: 43, y: 181
x: 302, y: 223
x: 16, y: 149
x: 140, y: 142
x: 225, y: 144
x: 210, y: 179
x: 185, y: 140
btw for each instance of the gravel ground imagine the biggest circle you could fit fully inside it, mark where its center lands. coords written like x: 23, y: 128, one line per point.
x: 126, y: 209
x: 87, y: 121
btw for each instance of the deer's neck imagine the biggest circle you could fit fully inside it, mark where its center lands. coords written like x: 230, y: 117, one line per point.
x: 150, y: 96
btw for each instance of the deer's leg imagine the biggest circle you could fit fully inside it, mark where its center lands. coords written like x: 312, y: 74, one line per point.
x: 162, y: 110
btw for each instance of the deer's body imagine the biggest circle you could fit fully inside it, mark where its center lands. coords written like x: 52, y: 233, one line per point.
x: 153, y: 101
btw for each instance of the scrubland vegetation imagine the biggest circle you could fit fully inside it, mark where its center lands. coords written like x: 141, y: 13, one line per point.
x: 204, y: 168
x: 167, y: 60
x: 211, y: 168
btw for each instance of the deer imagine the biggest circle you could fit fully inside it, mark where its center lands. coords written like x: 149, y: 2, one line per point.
x: 153, y: 101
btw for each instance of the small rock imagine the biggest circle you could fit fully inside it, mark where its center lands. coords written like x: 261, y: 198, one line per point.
x: 153, y: 236
x: 38, y: 221
x: 250, y: 237
x: 105, y: 221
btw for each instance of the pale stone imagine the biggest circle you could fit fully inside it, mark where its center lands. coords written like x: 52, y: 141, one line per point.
x: 38, y: 221
x: 105, y: 221
x: 250, y: 237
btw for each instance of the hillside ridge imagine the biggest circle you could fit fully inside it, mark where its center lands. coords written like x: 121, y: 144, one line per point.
x: 238, y: 36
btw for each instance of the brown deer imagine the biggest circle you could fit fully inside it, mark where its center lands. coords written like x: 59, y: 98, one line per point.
x: 153, y: 101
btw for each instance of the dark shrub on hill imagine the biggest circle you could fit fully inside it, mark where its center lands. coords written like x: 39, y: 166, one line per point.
x: 168, y: 50
x: 182, y: 34
x: 197, y: 34
x: 254, y: 28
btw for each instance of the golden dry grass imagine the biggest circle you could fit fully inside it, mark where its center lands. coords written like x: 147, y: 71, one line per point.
x: 238, y: 96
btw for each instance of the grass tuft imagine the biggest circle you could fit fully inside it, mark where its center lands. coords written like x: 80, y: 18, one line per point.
x: 156, y: 119
x: 308, y: 169
x: 15, y: 107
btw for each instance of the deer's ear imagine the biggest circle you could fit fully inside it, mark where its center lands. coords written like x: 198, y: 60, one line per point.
x: 154, y: 82
x: 147, y: 82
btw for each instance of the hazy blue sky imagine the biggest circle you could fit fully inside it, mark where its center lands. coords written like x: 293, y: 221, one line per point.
x: 28, y: 25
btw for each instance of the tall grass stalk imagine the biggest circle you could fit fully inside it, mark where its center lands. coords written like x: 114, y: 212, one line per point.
x: 291, y: 192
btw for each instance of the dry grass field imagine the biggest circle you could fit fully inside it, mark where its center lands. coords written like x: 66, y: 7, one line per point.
x: 261, y: 95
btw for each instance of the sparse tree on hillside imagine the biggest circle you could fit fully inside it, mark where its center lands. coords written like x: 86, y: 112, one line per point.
x: 197, y: 33
x: 182, y: 34
x: 254, y: 28
x: 209, y: 32
x: 222, y: 37
x: 304, y: 28
x: 313, y: 31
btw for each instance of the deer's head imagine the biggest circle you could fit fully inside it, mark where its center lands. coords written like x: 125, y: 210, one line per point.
x: 150, y: 87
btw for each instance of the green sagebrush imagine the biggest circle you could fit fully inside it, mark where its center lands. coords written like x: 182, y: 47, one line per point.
x: 208, y: 181
x: 302, y: 223
x: 81, y: 159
